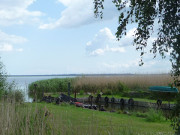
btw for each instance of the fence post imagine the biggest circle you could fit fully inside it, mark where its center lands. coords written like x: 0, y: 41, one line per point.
x: 69, y: 89
x: 75, y: 94
x: 35, y: 94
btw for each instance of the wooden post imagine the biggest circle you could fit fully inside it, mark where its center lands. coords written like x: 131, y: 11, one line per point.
x: 35, y: 95
x: 69, y: 86
x: 42, y: 92
x: 91, y: 100
x: 75, y: 94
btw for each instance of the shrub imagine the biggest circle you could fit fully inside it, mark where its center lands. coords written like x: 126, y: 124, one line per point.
x: 107, y: 92
x: 3, y: 81
x: 81, y: 92
x: 48, y: 86
x: 122, y: 88
x: 9, y: 91
x: 175, y: 116
x: 163, y: 96
x: 139, y: 114
x: 120, y: 112
x: 19, y: 96
x: 155, y: 116
x: 14, y: 95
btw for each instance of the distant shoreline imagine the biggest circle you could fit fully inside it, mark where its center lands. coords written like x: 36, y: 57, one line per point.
x: 81, y: 75
x: 71, y: 75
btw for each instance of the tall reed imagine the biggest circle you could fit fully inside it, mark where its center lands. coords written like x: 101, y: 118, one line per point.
x: 48, y: 119
x: 122, y: 84
x: 134, y: 82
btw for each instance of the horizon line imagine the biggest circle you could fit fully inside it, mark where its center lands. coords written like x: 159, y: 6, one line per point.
x: 82, y: 74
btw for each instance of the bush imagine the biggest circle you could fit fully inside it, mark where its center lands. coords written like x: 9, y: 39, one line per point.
x: 163, y: 96
x: 3, y: 82
x: 81, y: 92
x: 120, y: 112
x: 175, y: 118
x: 14, y: 95
x: 48, y: 86
x: 107, y: 92
x: 121, y: 87
x: 139, y: 114
x: 19, y: 96
x: 8, y: 90
x: 155, y: 116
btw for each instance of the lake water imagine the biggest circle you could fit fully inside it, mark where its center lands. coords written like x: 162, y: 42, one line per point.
x: 23, y: 82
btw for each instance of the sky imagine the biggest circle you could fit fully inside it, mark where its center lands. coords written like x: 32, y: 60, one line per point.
x: 63, y: 37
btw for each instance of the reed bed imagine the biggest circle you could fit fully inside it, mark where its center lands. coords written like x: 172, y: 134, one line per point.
x: 123, y: 85
x: 19, y: 119
x: 133, y: 82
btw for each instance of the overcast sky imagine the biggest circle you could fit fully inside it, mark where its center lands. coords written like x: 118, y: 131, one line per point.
x: 64, y: 37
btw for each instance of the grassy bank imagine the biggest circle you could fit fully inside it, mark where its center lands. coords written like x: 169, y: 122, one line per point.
x: 47, y: 119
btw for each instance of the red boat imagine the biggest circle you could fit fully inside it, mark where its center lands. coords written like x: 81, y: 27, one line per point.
x: 78, y: 104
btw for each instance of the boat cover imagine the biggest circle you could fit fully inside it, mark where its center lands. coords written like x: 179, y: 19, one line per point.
x: 164, y: 89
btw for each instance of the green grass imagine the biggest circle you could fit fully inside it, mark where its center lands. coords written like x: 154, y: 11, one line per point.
x: 72, y: 120
x: 65, y: 119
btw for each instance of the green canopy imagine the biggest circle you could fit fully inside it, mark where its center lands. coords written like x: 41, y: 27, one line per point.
x: 164, y: 89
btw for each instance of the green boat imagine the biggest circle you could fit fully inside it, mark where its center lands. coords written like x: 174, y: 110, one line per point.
x: 164, y: 89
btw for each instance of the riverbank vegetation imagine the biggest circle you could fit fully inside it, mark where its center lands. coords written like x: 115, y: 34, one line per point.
x: 131, y: 86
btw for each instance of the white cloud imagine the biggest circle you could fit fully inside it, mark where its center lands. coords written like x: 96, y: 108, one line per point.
x: 107, y: 49
x: 16, y: 12
x: 104, y: 41
x: 80, y: 12
x: 8, y: 41
x: 117, y: 65
x: 131, y: 65
x: 119, y: 49
x: 11, y: 38
x: 6, y: 47
x: 19, y: 49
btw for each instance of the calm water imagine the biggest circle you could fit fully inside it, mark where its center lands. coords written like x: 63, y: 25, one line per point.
x: 23, y: 82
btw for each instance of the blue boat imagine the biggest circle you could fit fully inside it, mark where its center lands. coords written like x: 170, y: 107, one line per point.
x: 164, y: 89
